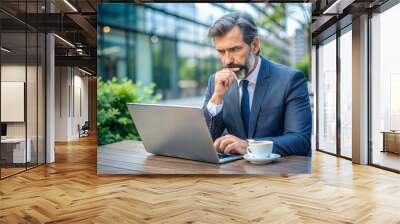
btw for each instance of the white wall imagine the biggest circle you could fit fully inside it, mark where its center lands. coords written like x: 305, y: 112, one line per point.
x: 79, y: 117
x: 33, y: 127
x: 14, y: 73
x: 61, y: 103
x: 70, y: 83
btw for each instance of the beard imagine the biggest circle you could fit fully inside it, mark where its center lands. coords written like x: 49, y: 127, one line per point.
x: 244, y: 69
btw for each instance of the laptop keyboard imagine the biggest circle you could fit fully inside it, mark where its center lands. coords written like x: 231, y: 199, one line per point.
x: 221, y: 156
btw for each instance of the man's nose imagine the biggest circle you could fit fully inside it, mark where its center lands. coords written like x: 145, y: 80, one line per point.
x: 228, y: 59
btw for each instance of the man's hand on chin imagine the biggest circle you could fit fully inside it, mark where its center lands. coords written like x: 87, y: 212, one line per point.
x: 230, y: 144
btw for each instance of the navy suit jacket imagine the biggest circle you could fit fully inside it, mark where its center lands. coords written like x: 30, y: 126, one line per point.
x: 280, y: 111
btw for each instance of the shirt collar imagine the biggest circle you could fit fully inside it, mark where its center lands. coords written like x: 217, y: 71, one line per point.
x: 252, y: 78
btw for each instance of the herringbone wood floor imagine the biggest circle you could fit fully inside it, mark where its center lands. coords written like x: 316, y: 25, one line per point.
x: 70, y: 191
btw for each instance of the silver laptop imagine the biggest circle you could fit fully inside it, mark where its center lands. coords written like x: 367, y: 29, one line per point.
x: 176, y: 131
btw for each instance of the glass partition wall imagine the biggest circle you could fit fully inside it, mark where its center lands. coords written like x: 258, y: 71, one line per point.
x: 327, y: 95
x: 13, y: 86
x: 345, y: 62
x: 334, y: 90
x: 334, y: 94
x: 22, y: 77
x: 385, y: 89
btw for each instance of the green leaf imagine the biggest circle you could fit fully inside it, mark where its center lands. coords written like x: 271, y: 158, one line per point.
x: 114, y: 122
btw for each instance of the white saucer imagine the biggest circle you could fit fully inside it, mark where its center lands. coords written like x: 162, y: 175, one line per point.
x: 261, y: 160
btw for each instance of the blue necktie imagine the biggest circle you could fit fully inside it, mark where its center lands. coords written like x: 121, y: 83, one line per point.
x: 245, y: 105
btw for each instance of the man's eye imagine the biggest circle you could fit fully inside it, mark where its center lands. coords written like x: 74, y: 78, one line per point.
x: 235, y: 49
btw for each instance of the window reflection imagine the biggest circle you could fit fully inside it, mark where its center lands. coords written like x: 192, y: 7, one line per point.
x: 346, y: 94
x: 385, y: 86
x: 327, y: 96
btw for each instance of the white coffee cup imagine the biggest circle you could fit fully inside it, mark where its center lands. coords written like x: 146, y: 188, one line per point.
x: 259, y: 148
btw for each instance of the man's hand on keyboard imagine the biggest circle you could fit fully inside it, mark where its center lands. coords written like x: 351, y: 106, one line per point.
x: 230, y: 144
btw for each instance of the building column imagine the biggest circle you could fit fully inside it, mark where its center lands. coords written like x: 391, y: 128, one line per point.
x: 174, y: 70
x: 143, y: 68
x: 313, y: 81
x: 50, y: 98
x: 360, y: 90
x: 143, y: 59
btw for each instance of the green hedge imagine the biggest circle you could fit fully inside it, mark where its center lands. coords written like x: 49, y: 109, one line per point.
x: 114, y: 122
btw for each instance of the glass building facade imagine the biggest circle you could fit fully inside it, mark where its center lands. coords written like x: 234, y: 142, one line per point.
x: 385, y: 89
x: 358, y: 84
x: 167, y: 44
x: 155, y: 44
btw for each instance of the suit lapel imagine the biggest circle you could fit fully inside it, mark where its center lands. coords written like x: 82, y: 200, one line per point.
x: 258, y: 97
x: 234, y: 107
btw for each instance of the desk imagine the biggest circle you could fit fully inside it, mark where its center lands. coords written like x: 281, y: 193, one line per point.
x: 13, y: 150
x: 130, y: 157
x: 391, y: 141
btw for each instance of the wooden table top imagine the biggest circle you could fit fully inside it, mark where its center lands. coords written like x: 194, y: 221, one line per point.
x: 130, y: 157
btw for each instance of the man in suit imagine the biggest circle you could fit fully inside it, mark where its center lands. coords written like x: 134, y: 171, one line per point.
x: 252, y: 97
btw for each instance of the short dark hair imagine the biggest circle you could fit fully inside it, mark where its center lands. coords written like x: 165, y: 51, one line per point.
x: 227, y: 22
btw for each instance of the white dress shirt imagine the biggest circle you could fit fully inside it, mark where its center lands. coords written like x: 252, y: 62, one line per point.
x: 214, y: 109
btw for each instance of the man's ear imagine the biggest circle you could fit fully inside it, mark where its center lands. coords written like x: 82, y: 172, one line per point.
x: 255, y: 45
